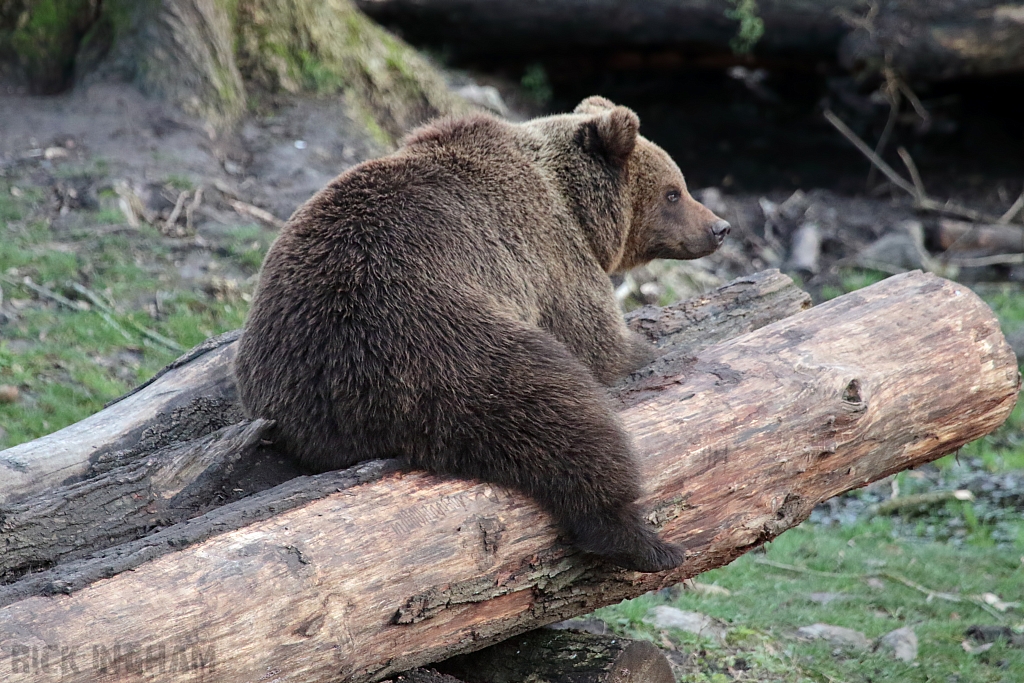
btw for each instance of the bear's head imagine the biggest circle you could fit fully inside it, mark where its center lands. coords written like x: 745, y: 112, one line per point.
x: 627, y: 193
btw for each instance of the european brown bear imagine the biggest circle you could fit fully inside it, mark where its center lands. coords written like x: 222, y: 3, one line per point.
x: 449, y: 304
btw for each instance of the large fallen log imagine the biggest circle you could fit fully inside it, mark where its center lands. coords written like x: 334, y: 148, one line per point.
x: 920, y: 38
x: 737, y: 444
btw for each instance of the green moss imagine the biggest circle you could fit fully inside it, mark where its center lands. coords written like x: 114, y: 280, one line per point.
x: 46, y: 39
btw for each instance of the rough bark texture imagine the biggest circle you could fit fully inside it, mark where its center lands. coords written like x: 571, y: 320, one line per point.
x: 187, y: 402
x: 737, y: 444
x: 125, y: 503
x: 545, y: 656
x: 921, y: 38
x: 195, y: 395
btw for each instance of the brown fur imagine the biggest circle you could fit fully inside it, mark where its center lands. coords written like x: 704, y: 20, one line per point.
x: 449, y: 304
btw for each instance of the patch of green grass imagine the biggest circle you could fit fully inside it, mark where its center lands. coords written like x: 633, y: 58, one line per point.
x: 852, y: 279
x: 67, y: 363
x: 247, y: 245
x: 862, y: 566
x: 180, y: 182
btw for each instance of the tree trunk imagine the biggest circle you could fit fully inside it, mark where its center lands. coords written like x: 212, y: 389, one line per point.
x: 737, y: 444
x: 546, y: 656
x: 920, y: 38
x: 205, y: 56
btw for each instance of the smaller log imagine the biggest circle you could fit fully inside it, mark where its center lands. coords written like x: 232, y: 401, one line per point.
x: 960, y: 236
x: 549, y: 656
x: 191, y: 399
x: 174, y: 484
x: 743, y: 305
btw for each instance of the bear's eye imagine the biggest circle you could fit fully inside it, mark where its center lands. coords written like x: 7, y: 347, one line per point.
x: 672, y: 195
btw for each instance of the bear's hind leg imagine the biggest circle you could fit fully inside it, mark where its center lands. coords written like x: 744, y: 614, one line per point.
x: 539, y: 423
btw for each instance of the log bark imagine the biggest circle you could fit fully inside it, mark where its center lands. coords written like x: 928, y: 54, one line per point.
x: 922, y: 39
x: 546, y: 656
x: 737, y: 444
x: 174, y: 484
x: 195, y: 395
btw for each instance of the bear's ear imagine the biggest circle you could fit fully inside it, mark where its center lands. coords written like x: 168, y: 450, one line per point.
x: 612, y: 134
x: 594, y: 105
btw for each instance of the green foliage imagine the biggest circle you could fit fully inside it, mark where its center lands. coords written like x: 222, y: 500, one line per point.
x: 751, y: 26
x: 46, y: 38
x: 535, y: 83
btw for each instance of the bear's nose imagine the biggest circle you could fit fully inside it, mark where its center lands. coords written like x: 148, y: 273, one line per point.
x: 720, y: 229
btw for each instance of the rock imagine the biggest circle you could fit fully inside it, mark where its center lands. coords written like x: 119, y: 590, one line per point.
x: 836, y: 635
x: 485, y: 96
x: 9, y: 393
x: 588, y: 625
x: 988, y: 634
x: 664, y: 616
x: 876, y: 584
x: 902, y: 643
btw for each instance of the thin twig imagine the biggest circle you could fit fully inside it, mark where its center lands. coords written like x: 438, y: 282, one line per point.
x: 145, y: 331
x: 68, y: 303
x: 257, y: 213
x: 926, y: 117
x: 190, y: 211
x: 172, y: 220
x: 1012, y: 211
x: 892, y: 576
x: 892, y: 93
x: 924, y: 203
x: 885, y: 168
x: 982, y: 261
x: 45, y: 292
x: 908, y: 161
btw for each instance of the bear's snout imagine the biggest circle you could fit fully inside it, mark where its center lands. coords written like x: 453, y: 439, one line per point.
x: 720, y: 229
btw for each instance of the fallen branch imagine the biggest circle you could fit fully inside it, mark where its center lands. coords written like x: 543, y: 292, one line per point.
x: 920, y: 500
x: 109, y: 311
x: 929, y: 594
x: 1012, y: 211
x: 256, y: 212
x: 921, y: 200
